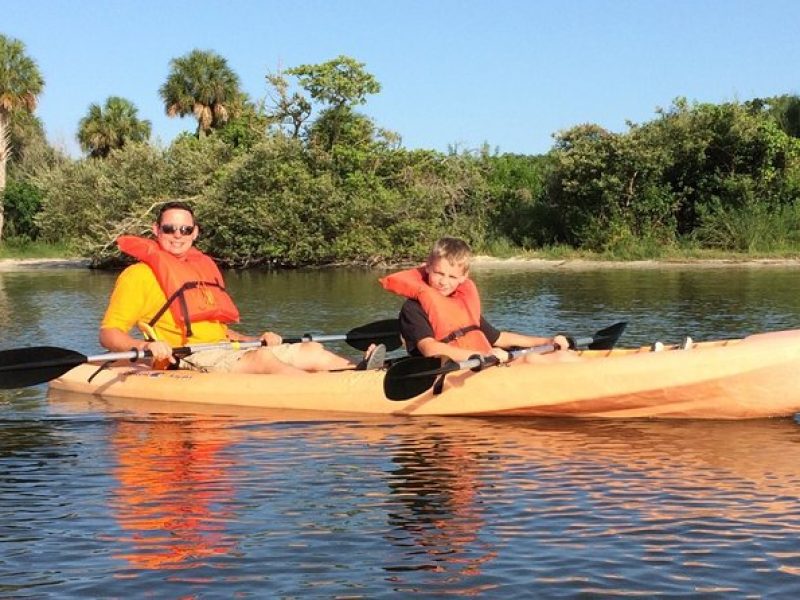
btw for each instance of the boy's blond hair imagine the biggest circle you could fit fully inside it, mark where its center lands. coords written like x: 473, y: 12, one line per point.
x: 454, y: 250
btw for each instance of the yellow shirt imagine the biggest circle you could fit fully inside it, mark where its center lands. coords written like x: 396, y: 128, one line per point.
x: 138, y: 297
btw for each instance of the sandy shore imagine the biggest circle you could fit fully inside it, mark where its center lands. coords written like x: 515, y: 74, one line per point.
x: 30, y: 264
x: 482, y: 262
x: 580, y: 264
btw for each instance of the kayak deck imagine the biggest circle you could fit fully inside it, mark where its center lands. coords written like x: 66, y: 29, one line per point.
x: 753, y: 377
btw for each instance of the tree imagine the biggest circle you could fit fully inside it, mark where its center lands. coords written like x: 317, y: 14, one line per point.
x: 341, y: 83
x: 20, y: 85
x: 288, y: 110
x: 108, y: 128
x: 784, y: 109
x: 201, y: 84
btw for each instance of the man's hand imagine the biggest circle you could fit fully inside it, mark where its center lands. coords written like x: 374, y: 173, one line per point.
x: 160, y: 350
x: 271, y: 339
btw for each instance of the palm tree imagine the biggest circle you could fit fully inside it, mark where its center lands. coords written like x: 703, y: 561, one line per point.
x: 105, y: 129
x: 201, y: 84
x: 20, y: 84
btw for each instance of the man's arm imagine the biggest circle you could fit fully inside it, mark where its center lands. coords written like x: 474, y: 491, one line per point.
x: 125, y: 309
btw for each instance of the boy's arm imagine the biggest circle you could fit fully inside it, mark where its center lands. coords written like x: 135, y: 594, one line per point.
x: 431, y: 347
x: 417, y: 333
x: 509, y: 339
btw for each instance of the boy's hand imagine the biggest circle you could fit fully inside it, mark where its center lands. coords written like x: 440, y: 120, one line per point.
x: 561, y: 342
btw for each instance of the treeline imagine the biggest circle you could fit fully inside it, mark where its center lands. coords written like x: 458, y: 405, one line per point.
x: 303, y: 178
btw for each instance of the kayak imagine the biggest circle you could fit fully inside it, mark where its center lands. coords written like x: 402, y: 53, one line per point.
x: 753, y: 377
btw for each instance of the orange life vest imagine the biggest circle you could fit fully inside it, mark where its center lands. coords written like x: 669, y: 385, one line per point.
x: 455, y: 319
x: 193, y: 284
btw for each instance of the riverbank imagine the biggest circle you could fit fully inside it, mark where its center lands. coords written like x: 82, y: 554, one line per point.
x: 31, y: 264
x: 584, y: 264
x: 483, y: 262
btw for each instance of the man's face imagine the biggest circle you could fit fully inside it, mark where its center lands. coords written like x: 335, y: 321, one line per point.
x: 445, y: 277
x: 173, y: 234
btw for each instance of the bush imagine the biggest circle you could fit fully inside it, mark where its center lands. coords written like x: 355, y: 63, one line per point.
x: 21, y: 202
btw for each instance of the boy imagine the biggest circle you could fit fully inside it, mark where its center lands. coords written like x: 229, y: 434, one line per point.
x: 442, y: 316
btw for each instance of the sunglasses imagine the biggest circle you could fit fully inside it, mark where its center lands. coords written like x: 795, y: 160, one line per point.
x: 169, y: 229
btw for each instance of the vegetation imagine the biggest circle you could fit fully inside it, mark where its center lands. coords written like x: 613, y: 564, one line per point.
x: 108, y: 128
x: 20, y: 85
x: 303, y: 178
x: 201, y: 84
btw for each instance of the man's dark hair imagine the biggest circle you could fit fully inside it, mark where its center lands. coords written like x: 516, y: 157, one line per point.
x: 174, y: 205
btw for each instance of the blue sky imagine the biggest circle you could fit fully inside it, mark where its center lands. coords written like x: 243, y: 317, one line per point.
x: 510, y: 73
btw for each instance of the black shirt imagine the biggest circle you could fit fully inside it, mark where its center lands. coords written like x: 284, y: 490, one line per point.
x: 414, y: 326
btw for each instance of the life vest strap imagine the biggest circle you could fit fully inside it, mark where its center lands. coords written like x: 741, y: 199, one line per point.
x: 181, y: 297
x: 459, y: 333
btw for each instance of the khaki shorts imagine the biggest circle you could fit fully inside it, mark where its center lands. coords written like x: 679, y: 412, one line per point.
x: 222, y: 360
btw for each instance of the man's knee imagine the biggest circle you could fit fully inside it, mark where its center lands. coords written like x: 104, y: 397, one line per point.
x: 310, y: 348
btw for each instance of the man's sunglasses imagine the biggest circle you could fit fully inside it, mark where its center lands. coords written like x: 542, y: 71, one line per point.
x: 169, y: 229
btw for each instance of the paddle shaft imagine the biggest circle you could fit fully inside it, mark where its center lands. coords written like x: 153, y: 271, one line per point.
x: 489, y: 360
x: 415, y: 375
x: 22, y: 367
x: 135, y: 355
x: 477, y: 363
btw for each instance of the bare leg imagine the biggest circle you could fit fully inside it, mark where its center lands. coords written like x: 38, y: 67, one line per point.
x: 263, y: 361
x: 307, y: 357
x: 313, y: 356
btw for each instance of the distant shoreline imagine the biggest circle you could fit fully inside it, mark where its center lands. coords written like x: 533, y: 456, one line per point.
x: 32, y: 264
x: 576, y: 264
x: 481, y: 262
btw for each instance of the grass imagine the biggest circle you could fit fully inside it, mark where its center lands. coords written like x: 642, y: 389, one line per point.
x: 21, y: 249
x: 679, y: 252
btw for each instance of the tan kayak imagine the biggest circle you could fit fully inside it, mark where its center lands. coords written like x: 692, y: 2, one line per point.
x: 753, y: 377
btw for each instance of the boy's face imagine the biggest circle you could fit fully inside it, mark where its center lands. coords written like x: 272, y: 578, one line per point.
x: 445, y: 277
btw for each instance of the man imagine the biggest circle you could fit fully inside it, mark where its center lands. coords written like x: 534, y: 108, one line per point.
x: 198, y: 310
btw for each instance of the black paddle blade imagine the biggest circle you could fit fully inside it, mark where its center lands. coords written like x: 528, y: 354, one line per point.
x: 22, y: 367
x: 410, y: 377
x: 606, y: 339
x: 386, y: 332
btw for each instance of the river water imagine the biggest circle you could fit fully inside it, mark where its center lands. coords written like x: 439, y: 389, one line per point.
x: 113, y: 499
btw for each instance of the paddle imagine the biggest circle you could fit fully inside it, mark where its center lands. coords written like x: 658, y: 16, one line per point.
x: 22, y: 367
x: 386, y: 332
x: 412, y: 376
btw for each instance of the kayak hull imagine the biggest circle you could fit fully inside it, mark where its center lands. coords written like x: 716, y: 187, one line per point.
x: 753, y: 377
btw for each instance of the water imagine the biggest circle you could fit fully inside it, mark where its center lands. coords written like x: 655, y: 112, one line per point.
x: 104, y: 498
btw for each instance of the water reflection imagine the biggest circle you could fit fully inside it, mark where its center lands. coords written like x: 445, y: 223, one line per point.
x: 467, y: 506
x: 439, y: 520
x: 172, y: 478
